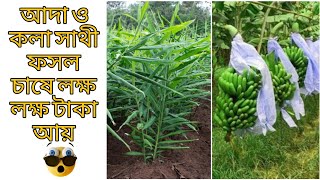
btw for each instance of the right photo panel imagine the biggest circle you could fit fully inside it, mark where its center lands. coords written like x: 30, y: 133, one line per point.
x: 265, y: 90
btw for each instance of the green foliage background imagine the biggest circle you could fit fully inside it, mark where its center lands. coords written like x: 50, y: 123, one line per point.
x: 164, y: 9
x: 248, y: 18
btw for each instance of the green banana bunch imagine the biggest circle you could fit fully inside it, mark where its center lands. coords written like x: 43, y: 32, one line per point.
x: 299, y: 61
x: 237, y: 99
x: 283, y: 88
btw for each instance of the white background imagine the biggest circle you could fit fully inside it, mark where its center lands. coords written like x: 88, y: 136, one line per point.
x: 21, y: 152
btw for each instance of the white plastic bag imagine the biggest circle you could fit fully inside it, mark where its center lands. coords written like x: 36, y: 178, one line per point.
x: 315, y: 47
x: 312, y: 78
x: 244, y: 56
x: 296, y: 102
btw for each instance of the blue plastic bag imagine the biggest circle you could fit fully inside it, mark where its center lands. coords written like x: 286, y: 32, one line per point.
x: 243, y: 56
x: 315, y: 47
x: 311, y: 82
x: 296, y: 102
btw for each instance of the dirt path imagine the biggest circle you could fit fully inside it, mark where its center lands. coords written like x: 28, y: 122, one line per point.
x: 192, y: 163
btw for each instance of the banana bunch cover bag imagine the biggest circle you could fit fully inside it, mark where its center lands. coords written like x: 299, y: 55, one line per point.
x: 244, y: 56
x: 314, y: 47
x: 296, y: 102
x: 312, y: 79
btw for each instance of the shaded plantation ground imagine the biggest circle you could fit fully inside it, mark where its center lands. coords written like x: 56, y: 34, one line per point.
x: 194, y: 162
x: 286, y: 153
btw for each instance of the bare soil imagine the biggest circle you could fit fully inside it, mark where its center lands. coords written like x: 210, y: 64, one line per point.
x: 193, y: 163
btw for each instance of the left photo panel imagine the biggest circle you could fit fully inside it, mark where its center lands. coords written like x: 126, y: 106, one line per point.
x: 158, y: 89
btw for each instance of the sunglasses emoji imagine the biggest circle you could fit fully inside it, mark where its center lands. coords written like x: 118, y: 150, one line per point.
x: 60, y: 161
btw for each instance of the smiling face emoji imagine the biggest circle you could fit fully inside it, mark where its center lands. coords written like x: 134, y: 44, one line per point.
x: 60, y: 161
